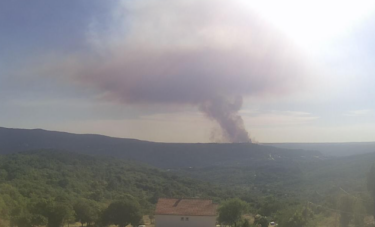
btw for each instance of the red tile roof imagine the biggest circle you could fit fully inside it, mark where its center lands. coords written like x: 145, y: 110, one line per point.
x: 189, y: 207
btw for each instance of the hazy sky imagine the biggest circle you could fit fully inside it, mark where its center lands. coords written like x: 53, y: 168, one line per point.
x: 190, y: 70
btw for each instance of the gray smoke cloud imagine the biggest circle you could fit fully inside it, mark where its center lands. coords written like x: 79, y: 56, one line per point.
x: 209, y: 54
x: 225, y: 112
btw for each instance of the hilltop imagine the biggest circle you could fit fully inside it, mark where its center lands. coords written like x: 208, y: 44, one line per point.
x: 40, y: 165
x: 163, y: 155
x: 331, y: 149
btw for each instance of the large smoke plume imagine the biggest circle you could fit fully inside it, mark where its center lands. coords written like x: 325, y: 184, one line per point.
x: 225, y: 112
x: 208, y: 54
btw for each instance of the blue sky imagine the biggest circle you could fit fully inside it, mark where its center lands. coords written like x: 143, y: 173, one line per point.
x: 190, y: 71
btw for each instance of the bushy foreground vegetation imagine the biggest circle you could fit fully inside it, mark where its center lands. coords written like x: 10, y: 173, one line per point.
x: 332, y: 192
x: 347, y: 211
x: 55, y: 188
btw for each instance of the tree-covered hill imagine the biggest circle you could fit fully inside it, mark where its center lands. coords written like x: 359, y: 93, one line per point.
x: 67, y: 177
x: 261, y: 169
x: 162, y: 155
x: 331, y: 149
x: 268, y: 179
x: 304, y: 180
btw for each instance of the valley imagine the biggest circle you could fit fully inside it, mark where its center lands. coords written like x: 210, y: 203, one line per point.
x: 38, y: 165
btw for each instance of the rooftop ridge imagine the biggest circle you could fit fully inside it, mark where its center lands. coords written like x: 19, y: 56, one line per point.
x: 177, y: 202
x: 186, y: 206
x: 185, y: 198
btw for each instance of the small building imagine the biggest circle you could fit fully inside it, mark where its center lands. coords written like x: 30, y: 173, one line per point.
x: 185, y: 213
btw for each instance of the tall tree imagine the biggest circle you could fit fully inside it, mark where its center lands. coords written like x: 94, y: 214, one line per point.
x: 87, y: 211
x: 347, y: 204
x: 302, y: 217
x: 269, y: 206
x: 358, y: 218
x: 246, y: 223
x: 59, y: 215
x: 260, y: 221
x: 231, y: 211
x: 123, y: 213
x: 371, y: 185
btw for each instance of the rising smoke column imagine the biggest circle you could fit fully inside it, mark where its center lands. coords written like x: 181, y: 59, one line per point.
x: 225, y: 112
x: 208, y: 54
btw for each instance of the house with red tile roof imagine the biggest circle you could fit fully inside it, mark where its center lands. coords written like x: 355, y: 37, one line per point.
x: 185, y: 213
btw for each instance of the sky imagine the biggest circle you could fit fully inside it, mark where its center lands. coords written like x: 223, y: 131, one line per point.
x: 190, y: 71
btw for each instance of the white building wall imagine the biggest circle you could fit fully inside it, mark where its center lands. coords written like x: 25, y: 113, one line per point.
x: 193, y: 221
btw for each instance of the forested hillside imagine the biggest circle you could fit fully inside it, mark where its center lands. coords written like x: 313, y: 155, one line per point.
x: 63, y: 178
x: 332, y: 192
x: 38, y: 185
x: 162, y: 155
x: 330, y: 149
x: 297, y: 179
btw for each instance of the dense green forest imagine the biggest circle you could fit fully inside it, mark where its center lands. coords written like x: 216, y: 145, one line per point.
x: 161, y: 155
x: 297, y: 179
x: 326, y: 192
x: 54, y: 188
x: 51, y: 178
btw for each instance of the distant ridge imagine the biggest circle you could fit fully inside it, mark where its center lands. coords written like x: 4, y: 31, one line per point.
x: 331, y: 149
x: 164, y: 155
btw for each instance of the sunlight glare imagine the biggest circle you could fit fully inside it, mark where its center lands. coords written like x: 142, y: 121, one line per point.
x: 311, y: 24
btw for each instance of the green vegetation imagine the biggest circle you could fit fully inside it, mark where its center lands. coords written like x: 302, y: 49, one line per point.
x: 301, y: 217
x: 87, y: 211
x: 123, y: 213
x: 161, y: 155
x: 58, y: 188
x: 330, y: 192
x: 260, y: 221
x: 246, y: 223
x: 52, y: 188
x: 371, y: 185
x: 231, y: 212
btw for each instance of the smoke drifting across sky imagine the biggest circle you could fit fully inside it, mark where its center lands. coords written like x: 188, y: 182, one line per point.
x: 209, y: 54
